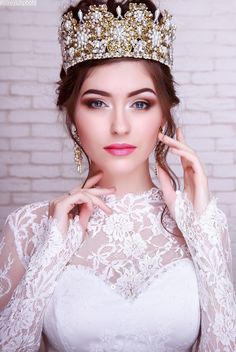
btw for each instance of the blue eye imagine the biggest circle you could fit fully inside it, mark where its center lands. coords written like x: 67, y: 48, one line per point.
x: 142, y: 105
x: 96, y: 104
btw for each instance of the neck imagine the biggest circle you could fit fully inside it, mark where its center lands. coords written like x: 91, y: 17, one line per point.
x: 135, y: 181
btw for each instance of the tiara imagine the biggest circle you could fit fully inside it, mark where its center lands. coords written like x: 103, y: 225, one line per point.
x: 99, y: 35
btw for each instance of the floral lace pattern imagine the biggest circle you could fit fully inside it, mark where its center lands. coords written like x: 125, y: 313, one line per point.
x: 28, y: 301
x: 127, y: 250
x: 209, y: 243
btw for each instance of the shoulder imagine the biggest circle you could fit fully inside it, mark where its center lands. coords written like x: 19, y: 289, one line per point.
x: 27, y: 215
x: 30, y: 209
x: 27, y: 225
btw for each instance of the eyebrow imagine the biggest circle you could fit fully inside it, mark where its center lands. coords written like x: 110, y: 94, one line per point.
x: 106, y: 94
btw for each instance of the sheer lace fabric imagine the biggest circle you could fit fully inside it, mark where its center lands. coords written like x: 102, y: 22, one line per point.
x: 129, y: 248
x: 30, y: 289
x: 209, y: 243
x: 127, y: 253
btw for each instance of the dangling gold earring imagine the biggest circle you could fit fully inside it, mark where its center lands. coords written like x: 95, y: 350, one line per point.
x: 78, y: 156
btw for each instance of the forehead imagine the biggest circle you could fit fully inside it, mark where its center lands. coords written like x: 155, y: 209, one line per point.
x: 125, y: 75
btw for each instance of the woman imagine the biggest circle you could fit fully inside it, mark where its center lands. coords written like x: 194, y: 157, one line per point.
x: 118, y: 264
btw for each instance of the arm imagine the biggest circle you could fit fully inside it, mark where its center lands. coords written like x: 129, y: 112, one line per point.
x: 21, y: 320
x: 27, y: 291
x: 209, y: 243
x: 205, y: 230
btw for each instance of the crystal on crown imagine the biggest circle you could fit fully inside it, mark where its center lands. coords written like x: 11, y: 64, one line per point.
x: 98, y: 34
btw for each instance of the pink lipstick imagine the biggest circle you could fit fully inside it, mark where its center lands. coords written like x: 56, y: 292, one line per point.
x: 120, y: 149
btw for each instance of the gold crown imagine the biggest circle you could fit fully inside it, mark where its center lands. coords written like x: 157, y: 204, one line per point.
x: 100, y: 35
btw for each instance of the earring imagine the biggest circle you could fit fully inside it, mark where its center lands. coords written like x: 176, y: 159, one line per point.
x: 78, y: 156
x: 159, y: 150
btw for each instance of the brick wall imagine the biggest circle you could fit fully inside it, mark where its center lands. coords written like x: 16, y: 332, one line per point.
x: 36, y: 154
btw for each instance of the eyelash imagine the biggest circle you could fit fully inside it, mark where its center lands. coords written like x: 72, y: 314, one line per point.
x: 89, y: 104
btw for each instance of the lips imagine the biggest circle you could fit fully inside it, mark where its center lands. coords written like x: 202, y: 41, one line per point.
x: 120, y: 149
x: 119, y: 146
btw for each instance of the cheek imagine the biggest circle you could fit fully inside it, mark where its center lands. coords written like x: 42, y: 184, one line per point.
x: 82, y: 125
x: 91, y: 135
x: 87, y: 135
x: 151, y: 128
x: 151, y: 133
x: 152, y: 138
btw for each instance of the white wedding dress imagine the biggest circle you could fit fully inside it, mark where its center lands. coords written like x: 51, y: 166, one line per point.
x: 126, y: 285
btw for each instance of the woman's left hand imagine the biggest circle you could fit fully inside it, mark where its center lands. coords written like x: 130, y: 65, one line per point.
x: 195, y: 179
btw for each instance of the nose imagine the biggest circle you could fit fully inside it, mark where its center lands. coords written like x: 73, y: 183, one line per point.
x: 120, y: 124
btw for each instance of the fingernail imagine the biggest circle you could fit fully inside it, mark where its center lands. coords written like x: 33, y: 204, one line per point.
x: 76, y: 218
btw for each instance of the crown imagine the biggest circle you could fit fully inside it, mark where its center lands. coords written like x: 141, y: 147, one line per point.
x: 100, y: 35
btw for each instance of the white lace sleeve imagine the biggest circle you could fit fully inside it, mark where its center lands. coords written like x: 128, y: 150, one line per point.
x: 22, y: 317
x: 208, y: 240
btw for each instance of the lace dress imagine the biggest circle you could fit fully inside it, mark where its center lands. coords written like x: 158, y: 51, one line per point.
x: 127, y: 284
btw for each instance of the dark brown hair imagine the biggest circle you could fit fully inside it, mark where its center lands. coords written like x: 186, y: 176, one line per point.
x: 70, y: 84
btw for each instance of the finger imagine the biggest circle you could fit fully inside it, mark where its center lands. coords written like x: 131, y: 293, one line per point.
x: 171, y: 142
x: 189, y: 157
x: 100, y: 191
x: 180, y: 135
x: 98, y: 202
x: 90, y: 199
x: 89, y: 183
x: 65, y: 206
x: 92, y: 181
x: 51, y: 205
x: 96, y: 191
x: 85, y: 212
x: 84, y: 215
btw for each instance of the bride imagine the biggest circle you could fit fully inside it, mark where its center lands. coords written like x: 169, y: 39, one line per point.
x: 117, y: 263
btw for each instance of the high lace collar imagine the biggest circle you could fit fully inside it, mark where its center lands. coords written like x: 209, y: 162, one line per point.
x: 152, y: 194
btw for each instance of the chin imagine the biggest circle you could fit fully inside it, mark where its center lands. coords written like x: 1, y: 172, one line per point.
x: 121, y: 168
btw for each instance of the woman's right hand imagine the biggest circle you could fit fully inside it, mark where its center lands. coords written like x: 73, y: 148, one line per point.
x: 61, y: 207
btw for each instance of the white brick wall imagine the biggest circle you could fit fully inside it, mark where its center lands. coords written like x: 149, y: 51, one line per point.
x: 36, y: 157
